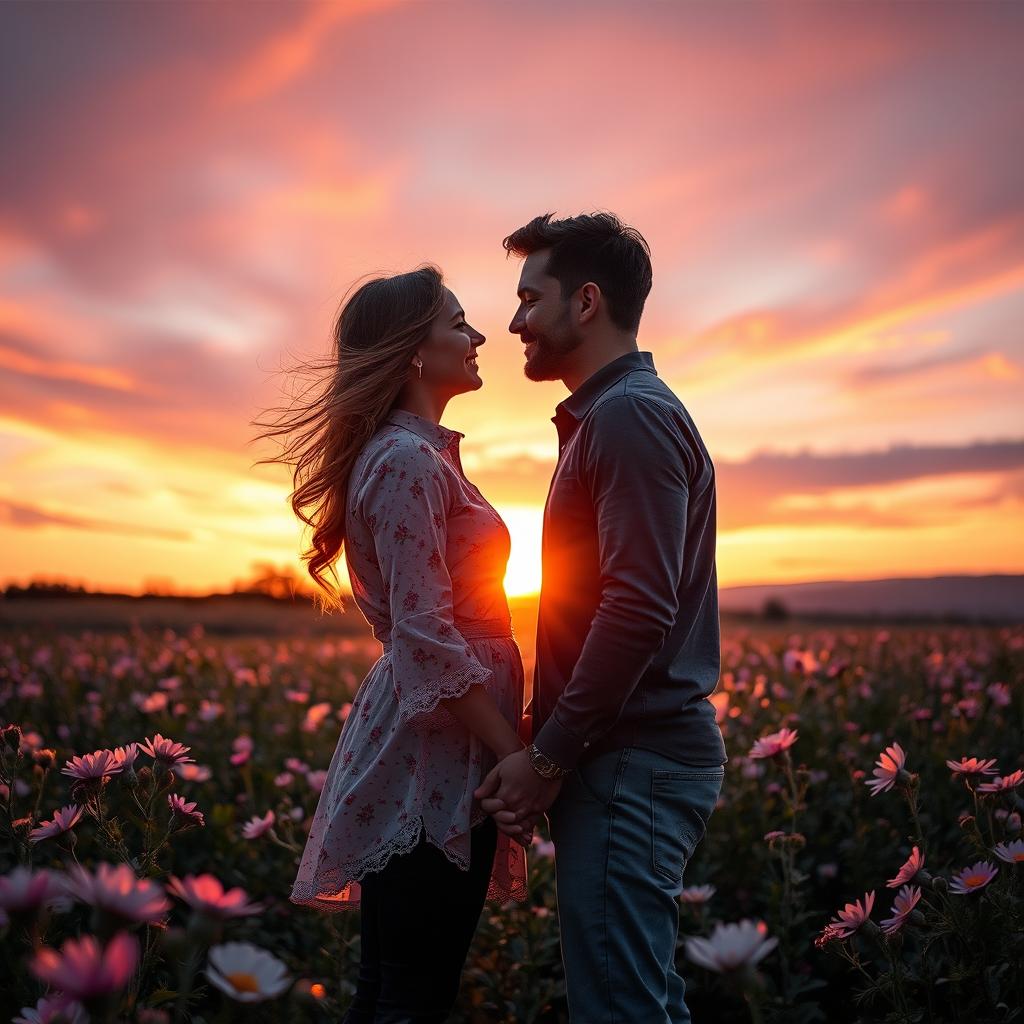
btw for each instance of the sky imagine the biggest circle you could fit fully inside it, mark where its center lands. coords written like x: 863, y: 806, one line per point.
x: 832, y: 194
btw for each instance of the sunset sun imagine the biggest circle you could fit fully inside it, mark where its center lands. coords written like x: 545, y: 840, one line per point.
x: 524, y: 523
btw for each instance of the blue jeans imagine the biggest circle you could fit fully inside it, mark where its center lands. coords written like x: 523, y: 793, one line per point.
x: 624, y: 826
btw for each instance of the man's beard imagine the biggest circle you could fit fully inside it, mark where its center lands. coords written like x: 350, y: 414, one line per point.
x: 548, y: 359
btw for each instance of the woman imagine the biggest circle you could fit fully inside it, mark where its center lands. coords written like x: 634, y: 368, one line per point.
x: 396, y: 832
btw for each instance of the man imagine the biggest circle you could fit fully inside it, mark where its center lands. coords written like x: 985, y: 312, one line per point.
x: 627, y: 759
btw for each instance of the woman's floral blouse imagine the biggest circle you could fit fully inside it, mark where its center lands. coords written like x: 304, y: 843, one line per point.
x: 426, y: 556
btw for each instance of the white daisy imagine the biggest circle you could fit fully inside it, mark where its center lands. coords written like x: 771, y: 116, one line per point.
x: 246, y: 973
x: 732, y: 946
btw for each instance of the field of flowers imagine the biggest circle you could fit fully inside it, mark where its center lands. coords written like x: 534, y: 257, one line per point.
x: 864, y: 863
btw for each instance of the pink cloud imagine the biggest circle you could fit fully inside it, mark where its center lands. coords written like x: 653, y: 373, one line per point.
x: 27, y: 516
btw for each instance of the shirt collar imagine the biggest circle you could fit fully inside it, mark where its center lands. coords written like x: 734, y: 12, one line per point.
x: 579, y: 403
x: 438, y: 436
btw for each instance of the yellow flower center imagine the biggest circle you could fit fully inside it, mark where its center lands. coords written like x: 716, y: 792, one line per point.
x: 974, y: 880
x: 242, y: 981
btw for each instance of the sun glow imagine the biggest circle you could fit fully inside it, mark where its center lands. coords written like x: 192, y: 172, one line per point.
x: 524, y: 523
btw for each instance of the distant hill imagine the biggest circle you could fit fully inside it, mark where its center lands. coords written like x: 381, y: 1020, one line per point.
x: 989, y: 598
x: 997, y: 598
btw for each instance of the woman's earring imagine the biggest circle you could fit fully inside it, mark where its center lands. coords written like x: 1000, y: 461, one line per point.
x: 419, y: 368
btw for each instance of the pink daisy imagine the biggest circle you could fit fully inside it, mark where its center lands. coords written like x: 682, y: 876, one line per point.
x: 315, y: 716
x: 542, y: 847
x: 126, y: 755
x: 977, y: 876
x: 246, y: 677
x: 210, y: 711
x: 903, y: 903
x: 150, y: 1015
x: 243, y: 748
x: 185, y: 810
x: 697, y: 894
x: 256, y: 826
x: 23, y: 890
x: 852, y: 916
x: 206, y: 894
x: 800, y: 661
x: 1004, y: 783
x: 889, y: 765
x: 86, y: 971
x: 52, y: 1010
x: 99, y: 765
x: 118, y: 891
x: 774, y: 743
x: 1012, y: 852
x: 913, y: 864
x: 999, y: 694
x: 63, y: 820
x: 166, y: 751
x: 972, y: 766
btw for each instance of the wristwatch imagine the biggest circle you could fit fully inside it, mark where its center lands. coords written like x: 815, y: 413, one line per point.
x: 544, y: 766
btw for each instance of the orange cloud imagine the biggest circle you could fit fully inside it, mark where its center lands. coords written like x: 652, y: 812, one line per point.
x: 97, y: 376
x: 32, y: 517
x: 941, y: 281
x: 284, y: 57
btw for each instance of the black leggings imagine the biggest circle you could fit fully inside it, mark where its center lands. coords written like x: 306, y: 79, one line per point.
x: 417, y: 920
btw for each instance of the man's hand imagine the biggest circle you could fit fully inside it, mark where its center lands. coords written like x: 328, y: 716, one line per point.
x: 515, y: 795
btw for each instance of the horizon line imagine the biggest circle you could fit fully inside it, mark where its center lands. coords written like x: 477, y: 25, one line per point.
x: 239, y: 589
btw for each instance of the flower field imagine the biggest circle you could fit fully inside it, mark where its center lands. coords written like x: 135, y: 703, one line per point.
x: 864, y: 864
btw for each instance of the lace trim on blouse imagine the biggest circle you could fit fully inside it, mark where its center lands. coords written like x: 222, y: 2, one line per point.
x: 422, y: 704
x: 324, y: 892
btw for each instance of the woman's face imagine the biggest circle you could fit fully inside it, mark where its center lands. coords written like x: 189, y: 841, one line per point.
x: 449, y: 354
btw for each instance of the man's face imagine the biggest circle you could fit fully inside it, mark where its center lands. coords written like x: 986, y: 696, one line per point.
x: 543, y: 320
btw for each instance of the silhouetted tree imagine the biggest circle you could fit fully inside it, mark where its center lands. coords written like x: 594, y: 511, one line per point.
x: 774, y: 610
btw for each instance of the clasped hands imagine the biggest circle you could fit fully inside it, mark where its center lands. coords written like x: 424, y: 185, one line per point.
x: 515, y: 795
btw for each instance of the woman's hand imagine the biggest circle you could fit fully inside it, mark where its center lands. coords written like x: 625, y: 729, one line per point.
x: 525, y: 836
x: 514, y: 793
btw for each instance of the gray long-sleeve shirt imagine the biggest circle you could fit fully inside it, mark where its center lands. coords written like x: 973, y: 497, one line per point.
x: 628, y: 646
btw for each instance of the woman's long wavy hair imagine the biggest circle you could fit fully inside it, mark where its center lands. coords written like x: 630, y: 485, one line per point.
x: 345, y: 398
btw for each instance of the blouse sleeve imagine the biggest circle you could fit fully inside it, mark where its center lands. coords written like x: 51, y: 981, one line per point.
x: 404, y: 503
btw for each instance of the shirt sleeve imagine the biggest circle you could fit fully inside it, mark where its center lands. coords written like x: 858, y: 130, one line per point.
x: 636, y: 466
x: 404, y: 502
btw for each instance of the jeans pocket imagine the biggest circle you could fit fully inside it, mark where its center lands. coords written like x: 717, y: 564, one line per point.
x: 681, y: 805
x: 598, y: 778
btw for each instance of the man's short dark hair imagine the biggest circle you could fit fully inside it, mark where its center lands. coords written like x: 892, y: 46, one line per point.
x: 594, y: 247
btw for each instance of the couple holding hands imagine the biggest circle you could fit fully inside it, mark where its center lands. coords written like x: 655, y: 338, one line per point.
x: 440, y: 775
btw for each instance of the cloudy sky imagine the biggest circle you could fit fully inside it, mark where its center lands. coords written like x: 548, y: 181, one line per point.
x: 832, y: 194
